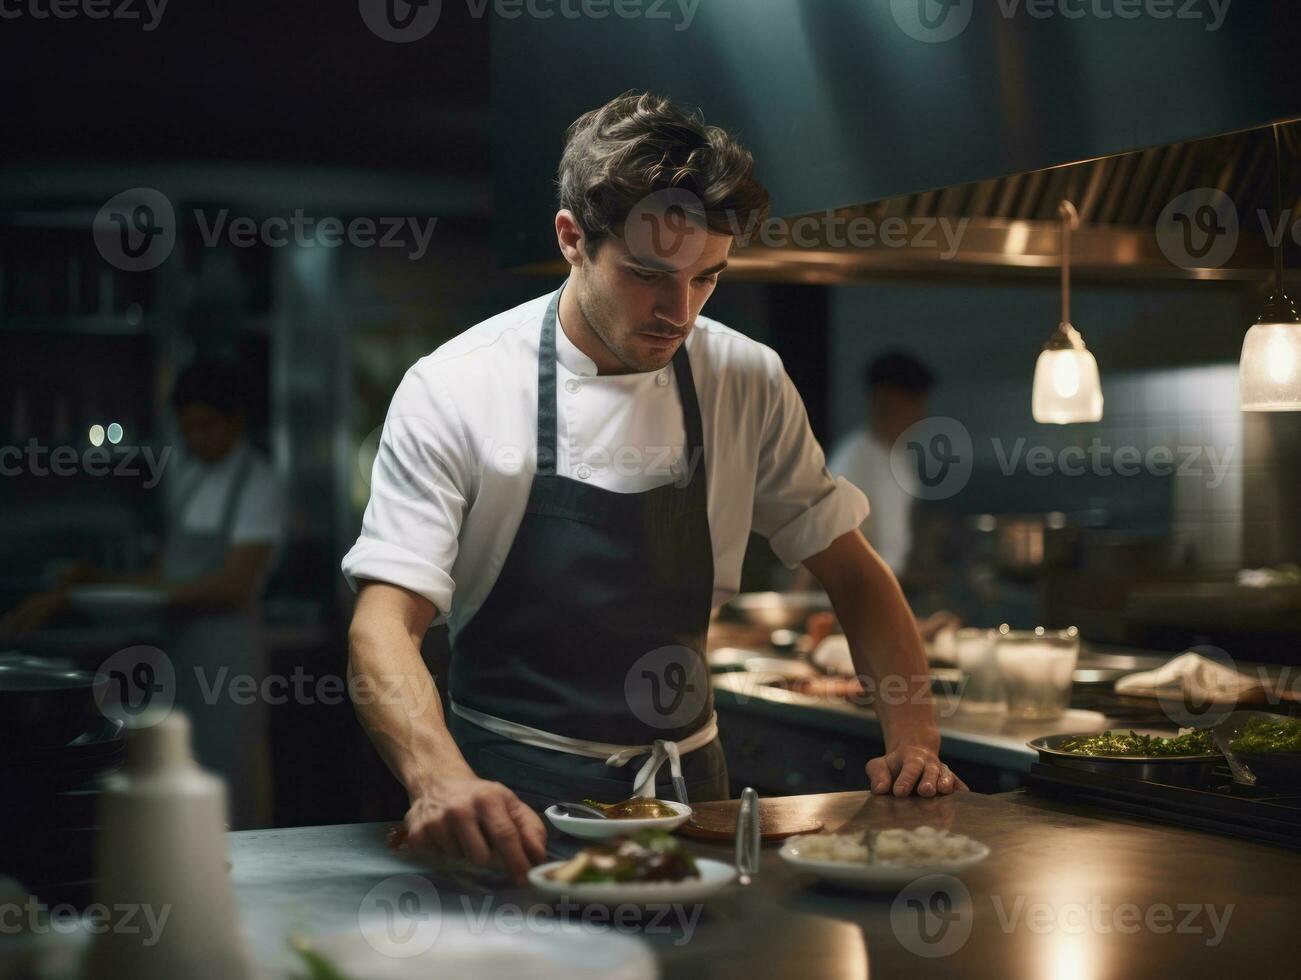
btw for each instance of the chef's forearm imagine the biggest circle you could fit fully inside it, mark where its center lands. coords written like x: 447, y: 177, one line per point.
x: 882, y: 635
x: 398, y: 705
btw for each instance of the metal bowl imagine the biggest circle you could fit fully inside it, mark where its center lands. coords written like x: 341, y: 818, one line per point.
x: 1182, y: 770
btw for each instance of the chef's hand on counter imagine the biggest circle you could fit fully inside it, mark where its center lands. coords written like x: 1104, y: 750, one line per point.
x: 887, y: 648
x: 462, y: 816
x: 912, y: 763
x: 452, y: 810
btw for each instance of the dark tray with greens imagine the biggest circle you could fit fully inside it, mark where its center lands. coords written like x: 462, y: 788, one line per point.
x: 1270, y: 746
x: 1187, y: 758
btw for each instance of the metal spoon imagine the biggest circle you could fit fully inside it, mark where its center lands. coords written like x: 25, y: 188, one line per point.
x: 1241, y: 774
x: 582, y: 810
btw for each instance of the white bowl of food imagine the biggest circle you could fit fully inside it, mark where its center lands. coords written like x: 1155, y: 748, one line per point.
x: 882, y: 859
x: 594, y: 828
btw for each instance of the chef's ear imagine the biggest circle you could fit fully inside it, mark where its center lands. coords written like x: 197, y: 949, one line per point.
x: 570, y: 237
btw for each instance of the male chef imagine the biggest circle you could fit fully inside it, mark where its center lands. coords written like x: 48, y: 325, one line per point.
x: 570, y: 485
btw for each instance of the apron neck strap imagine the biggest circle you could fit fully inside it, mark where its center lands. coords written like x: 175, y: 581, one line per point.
x: 547, y: 394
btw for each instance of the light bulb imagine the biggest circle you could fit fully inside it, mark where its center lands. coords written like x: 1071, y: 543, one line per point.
x: 1270, y: 369
x: 1282, y: 362
x: 1066, y: 387
x: 1066, y: 377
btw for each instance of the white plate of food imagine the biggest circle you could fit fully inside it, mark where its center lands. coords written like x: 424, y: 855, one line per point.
x: 649, y: 868
x: 594, y: 828
x: 885, y: 859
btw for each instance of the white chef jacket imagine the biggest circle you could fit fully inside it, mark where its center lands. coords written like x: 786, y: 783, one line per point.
x: 455, y: 461
x: 864, y: 461
x: 258, y: 517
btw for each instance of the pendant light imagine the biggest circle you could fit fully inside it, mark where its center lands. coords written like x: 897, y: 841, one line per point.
x: 1066, y: 384
x: 1269, y: 373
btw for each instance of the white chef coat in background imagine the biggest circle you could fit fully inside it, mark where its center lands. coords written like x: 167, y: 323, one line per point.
x: 452, y: 474
x: 259, y: 513
x: 864, y: 461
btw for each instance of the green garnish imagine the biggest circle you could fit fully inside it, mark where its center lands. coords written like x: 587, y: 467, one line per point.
x: 1121, y: 743
x: 318, y: 967
x: 1263, y: 735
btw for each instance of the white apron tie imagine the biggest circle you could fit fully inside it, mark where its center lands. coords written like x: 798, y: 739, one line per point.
x: 613, y: 754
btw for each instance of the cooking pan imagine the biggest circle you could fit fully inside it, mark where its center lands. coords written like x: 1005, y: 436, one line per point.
x: 1182, y: 770
x: 46, y: 701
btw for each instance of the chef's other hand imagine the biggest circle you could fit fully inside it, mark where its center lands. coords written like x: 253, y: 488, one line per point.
x: 464, y: 816
x: 913, y: 763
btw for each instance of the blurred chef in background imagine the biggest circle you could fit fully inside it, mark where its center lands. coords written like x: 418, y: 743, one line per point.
x: 897, y: 387
x: 224, y: 515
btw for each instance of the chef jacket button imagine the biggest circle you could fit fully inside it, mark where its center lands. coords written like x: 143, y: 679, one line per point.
x: 584, y: 472
x: 662, y: 378
x: 572, y: 386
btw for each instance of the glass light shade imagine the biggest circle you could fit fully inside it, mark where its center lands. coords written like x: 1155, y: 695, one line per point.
x: 1270, y: 369
x: 1066, y: 387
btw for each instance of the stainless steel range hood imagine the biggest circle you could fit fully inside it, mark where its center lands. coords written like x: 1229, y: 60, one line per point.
x: 994, y: 127
x: 1008, y: 227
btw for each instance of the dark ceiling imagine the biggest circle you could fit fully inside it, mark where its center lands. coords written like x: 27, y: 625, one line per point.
x: 289, y: 81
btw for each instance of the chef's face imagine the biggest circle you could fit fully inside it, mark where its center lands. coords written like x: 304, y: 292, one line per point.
x: 209, y: 433
x: 642, y: 301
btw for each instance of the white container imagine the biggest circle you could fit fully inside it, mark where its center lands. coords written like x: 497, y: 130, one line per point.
x: 161, y: 853
x: 1037, y: 668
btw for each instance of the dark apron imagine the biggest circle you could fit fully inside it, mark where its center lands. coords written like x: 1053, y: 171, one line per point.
x: 595, y: 626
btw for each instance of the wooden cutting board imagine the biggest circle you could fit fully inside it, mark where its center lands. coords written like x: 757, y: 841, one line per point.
x: 779, y: 817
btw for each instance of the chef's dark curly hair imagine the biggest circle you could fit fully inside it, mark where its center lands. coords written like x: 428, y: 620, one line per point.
x: 641, y: 143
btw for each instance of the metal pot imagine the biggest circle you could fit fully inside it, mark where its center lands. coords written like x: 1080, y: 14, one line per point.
x: 46, y: 701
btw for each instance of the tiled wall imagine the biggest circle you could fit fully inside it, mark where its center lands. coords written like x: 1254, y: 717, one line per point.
x: 982, y: 341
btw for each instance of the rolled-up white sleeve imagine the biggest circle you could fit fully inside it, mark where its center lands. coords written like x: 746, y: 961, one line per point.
x: 798, y: 505
x: 421, y: 485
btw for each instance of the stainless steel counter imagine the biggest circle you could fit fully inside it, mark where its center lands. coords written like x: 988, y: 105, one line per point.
x: 992, y: 740
x: 1063, y: 895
